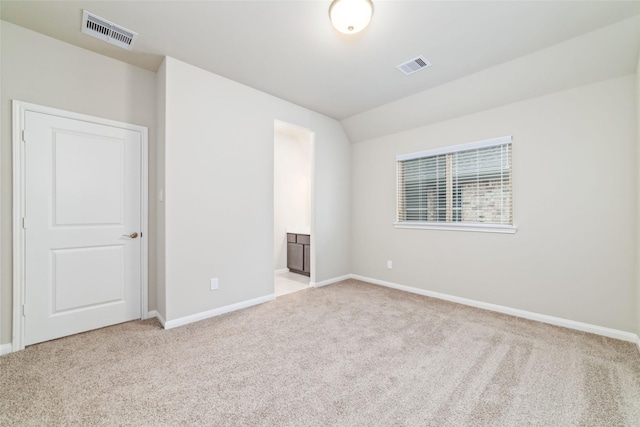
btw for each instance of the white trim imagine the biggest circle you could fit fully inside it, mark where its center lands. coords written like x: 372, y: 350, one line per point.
x: 281, y: 271
x: 312, y: 206
x: 462, y: 226
x: 566, y: 323
x: 5, y: 349
x: 18, y: 231
x: 154, y: 313
x: 170, y: 324
x: 144, y: 222
x: 455, y: 148
x: 19, y: 110
x: 329, y: 281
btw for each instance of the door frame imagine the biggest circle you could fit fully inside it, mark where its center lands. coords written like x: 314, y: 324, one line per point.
x: 19, y: 180
x: 312, y: 193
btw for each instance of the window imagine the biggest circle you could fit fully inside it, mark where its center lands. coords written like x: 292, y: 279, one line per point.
x: 465, y: 187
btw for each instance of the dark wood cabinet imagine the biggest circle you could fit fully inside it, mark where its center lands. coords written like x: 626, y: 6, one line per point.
x: 299, y: 253
x: 295, y: 257
x: 307, y: 259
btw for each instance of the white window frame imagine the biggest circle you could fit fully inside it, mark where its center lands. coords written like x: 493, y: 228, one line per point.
x: 453, y: 226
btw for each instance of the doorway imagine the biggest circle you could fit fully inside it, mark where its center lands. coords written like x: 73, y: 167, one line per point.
x: 80, y: 223
x: 293, y: 210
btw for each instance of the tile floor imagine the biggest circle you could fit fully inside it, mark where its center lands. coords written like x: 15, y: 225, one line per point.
x: 288, y: 282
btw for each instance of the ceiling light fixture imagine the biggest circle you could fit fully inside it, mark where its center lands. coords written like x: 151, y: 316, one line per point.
x: 350, y: 16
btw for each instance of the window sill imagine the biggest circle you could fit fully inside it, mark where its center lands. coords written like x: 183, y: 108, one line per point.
x: 485, y: 228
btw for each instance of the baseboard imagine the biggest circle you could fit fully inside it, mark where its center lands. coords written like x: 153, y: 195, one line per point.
x: 329, y: 281
x: 170, y: 324
x: 5, y: 349
x: 557, y: 321
x: 154, y: 313
x: 281, y: 271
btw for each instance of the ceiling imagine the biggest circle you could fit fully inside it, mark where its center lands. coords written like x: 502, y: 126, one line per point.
x: 289, y: 48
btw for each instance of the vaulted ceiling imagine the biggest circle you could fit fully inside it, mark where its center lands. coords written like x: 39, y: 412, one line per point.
x: 289, y: 48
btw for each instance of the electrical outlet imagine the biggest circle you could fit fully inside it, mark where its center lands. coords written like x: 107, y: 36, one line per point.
x: 389, y: 264
x: 214, y: 283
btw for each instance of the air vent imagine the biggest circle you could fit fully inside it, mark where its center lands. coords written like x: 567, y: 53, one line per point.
x: 107, y: 31
x: 416, y: 64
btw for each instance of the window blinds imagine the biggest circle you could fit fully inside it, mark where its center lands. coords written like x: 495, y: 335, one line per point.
x: 470, y: 183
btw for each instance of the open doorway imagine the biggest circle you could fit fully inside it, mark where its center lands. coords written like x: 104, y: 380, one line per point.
x: 292, y: 228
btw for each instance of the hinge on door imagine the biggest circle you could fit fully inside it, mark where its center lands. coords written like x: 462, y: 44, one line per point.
x: 23, y: 137
x: 24, y: 309
x: 24, y: 223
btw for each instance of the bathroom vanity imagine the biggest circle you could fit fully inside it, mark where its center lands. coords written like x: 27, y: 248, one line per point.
x: 299, y: 253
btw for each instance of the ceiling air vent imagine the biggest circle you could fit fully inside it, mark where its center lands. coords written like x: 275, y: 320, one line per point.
x: 107, y: 31
x: 416, y: 64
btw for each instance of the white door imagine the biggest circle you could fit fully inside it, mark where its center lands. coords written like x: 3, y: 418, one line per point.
x: 83, y: 258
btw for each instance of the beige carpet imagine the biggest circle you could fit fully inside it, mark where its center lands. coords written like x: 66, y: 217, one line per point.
x: 350, y: 354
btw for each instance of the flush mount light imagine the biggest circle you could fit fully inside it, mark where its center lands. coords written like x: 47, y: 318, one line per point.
x: 350, y: 16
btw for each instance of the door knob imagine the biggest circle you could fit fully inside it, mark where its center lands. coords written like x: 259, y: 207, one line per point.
x: 132, y: 235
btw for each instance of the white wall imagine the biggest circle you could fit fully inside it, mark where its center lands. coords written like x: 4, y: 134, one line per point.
x: 219, y: 190
x: 638, y: 196
x: 575, y: 189
x: 291, y: 189
x: 45, y: 71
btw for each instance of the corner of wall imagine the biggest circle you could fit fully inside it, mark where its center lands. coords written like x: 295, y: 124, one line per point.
x: 638, y: 198
x: 161, y: 306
